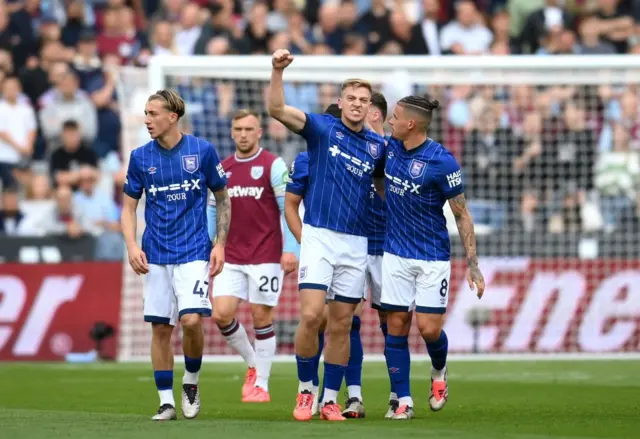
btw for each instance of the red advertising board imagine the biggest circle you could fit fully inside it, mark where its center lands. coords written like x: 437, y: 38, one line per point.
x: 48, y: 310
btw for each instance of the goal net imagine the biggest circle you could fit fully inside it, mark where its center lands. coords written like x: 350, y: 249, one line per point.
x: 550, y: 149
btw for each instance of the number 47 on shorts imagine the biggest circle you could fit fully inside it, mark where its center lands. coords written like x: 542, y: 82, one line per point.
x: 197, y: 289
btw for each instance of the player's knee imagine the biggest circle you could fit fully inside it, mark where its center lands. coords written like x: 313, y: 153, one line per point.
x: 162, y: 332
x: 223, y: 317
x: 382, y: 316
x: 310, y: 318
x: 262, y: 315
x: 429, y: 330
x: 191, y: 322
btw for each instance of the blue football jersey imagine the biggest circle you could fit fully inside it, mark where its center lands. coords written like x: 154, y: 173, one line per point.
x: 417, y: 185
x: 175, y: 183
x: 341, y: 162
x: 376, y: 223
x: 298, y: 181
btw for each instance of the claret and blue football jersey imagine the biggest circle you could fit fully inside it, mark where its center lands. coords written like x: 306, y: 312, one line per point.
x: 175, y: 183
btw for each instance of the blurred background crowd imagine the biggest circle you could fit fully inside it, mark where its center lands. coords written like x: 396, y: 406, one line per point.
x: 537, y: 159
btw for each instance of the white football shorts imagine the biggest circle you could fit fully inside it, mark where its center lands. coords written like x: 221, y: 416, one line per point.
x: 409, y: 284
x: 373, y: 280
x: 171, y: 291
x: 260, y: 284
x: 334, y: 262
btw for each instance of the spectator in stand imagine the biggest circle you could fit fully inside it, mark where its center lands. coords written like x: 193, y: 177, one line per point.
x: 590, y: 41
x: 377, y: 23
x: 302, y: 39
x: 163, y: 39
x: 527, y: 170
x: 86, y: 62
x: 615, y: 23
x: 171, y: 11
x: 35, y: 78
x: 256, y: 31
x: 63, y: 219
x: 119, y: 35
x: 189, y: 30
x: 101, y: 216
x: 552, y: 18
x: 68, y: 104
x: 12, y: 219
x: 466, y: 35
x: 75, y: 23
x: 425, y: 34
x: 18, y: 128
x: 221, y: 25
x: 500, y: 24
x: 38, y: 199
x: 67, y: 160
x: 558, y: 41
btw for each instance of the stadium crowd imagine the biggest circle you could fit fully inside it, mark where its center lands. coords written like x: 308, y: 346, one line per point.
x: 554, y: 159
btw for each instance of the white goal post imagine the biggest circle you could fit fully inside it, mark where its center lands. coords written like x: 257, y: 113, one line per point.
x: 551, y: 148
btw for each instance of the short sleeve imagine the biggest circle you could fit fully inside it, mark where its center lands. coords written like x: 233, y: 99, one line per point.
x: 133, y: 181
x: 449, y: 177
x: 279, y: 177
x: 378, y: 167
x: 299, y: 175
x: 213, y: 170
x: 314, y: 126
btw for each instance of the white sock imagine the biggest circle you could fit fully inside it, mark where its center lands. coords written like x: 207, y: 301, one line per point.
x: 302, y: 386
x: 330, y: 396
x: 166, y: 397
x: 237, y: 338
x: 438, y: 375
x: 393, y: 396
x: 406, y: 400
x: 190, y: 377
x: 355, y: 392
x: 265, y: 350
x: 315, y: 390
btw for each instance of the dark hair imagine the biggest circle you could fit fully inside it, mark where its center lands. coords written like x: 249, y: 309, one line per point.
x: 378, y: 100
x: 70, y: 125
x: 171, y: 99
x: 334, y: 111
x: 420, y: 104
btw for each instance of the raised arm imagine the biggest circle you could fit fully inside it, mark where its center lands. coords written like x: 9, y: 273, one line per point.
x: 464, y: 221
x: 291, y: 117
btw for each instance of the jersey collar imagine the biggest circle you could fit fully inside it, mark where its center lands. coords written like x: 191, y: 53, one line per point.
x: 420, y: 148
x: 172, y: 151
x: 248, y: 159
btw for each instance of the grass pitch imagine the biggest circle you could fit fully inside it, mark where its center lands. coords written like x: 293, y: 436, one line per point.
x: 487, y: 400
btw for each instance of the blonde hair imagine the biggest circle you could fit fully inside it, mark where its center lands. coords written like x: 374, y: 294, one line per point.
x: 246, y: 112
x: 171, y: 100
x: 357, y: 83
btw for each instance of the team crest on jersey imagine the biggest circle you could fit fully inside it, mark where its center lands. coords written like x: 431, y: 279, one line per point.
x: 190, y: 163
x: 374, y: 149
x: 417, y: 168
x: 303, y: 272
x: 256, y: 172
x: 228, y: 174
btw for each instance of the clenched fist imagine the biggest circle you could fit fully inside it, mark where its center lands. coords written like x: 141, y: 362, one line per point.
x: 281, y: 59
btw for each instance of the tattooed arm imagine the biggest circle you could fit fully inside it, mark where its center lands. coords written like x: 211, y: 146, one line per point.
x: 223, y: 215
x: 223, y: 220
x: 464, y: 222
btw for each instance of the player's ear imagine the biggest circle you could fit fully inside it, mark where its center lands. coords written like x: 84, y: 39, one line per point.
x: 260, y: 131
x: 340, y: 103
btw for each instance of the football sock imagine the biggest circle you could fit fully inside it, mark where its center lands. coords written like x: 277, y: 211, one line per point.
x: 399, y: 364
x: 191, y: 370
x: 392, y: 394
x: 353, y: 373
x: 237, y: 338
x: 265, y: 350
x: 438, y: 353
x: 305, y: 373
x: 316, y: 359
x: 164, y: 384
x: 333, y: 376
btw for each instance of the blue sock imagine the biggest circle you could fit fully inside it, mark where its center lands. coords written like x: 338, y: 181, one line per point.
x: 305, y: 373
x: 316, y: 359
x: 164, y: 379
x: 191, y: 370
x: 438, y: 351
x: 399, y: 363
x: 353, y: 374
x: 333, y: 376
x: 383, y: 328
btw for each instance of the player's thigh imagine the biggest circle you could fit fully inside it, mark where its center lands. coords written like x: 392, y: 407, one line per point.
x: 159, y: 299
x: 231, y: 282
x: 374, y: 280
x: 432, y: 296
x: 317, y: 259
x: 191, y: 287
x: 398, y: 284
x: 265, y: 283
x: 350, y: 270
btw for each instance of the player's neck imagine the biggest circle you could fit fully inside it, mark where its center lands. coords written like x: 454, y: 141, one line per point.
x: 170, y: 140
x: 246, y: 155
x: 415, y: 141
x: 378, y: 129
x: 357, y: 127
